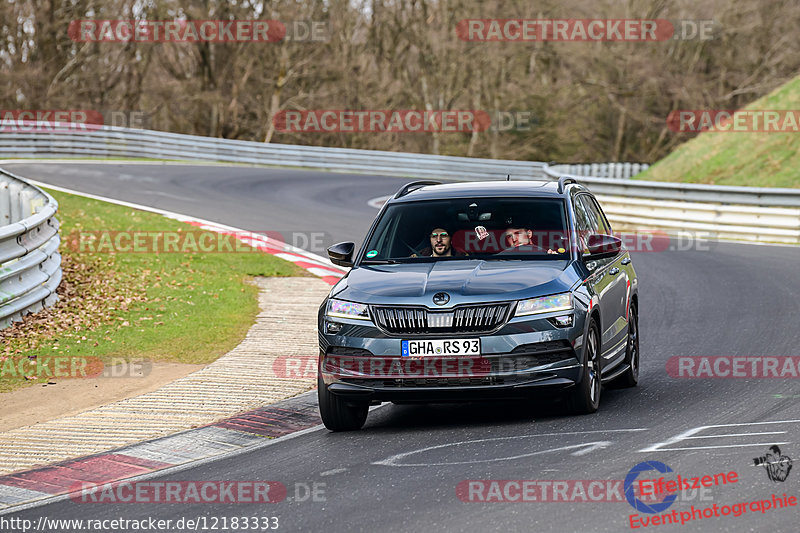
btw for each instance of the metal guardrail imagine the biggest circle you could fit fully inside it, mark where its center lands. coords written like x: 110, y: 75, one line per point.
x: 620, y: 171
x: 30, y: 265
x: 688, y: 192
x: 114, y: 142
x: 713, y: 221
x: 746, y: 213
x: 755, y: 214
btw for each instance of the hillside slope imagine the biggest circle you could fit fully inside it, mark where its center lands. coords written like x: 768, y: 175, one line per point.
x: 739, y: 158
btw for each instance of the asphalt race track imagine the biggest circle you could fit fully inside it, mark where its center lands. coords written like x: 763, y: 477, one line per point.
x: 401, y: 471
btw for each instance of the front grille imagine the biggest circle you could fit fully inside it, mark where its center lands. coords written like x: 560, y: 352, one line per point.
x: 419, y: 320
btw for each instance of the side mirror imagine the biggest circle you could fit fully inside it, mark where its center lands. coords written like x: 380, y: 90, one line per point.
x: 342, y: 254
x: 601, y: 246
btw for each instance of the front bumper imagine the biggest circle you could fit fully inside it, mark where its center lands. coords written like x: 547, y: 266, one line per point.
x: 525, y: 357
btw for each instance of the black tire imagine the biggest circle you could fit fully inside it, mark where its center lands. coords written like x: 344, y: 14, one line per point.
x: 630, y: 378
x: 585, y: 396
x: 337, y: 413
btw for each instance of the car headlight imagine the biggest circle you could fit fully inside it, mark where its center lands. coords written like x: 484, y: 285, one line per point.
x: 545, y: 304
x: 342, y: 309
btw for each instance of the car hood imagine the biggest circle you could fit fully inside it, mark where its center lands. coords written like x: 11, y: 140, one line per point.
x: 464, y: 280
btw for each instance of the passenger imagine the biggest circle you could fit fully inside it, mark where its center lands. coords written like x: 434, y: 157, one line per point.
x: 521, y: 238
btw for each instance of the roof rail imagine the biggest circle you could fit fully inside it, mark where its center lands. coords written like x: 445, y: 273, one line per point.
x: 563, y: 181
x: 414, y: 185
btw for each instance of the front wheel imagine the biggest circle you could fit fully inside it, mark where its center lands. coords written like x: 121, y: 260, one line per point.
x: 337, y: 413
x: 585, y: 397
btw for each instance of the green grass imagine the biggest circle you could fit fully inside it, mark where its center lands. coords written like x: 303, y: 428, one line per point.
x: 737, y: 158
x: 177, y: 307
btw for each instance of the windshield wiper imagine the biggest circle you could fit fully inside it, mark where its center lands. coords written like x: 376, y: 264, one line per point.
x: 380, y: 262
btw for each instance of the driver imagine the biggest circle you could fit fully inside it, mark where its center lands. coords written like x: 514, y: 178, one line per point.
x: 441, y: 245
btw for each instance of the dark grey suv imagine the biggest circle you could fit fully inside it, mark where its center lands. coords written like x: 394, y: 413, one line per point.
x: 479, y: 290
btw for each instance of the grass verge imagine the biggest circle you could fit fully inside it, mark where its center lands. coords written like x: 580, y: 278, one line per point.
x: 179, y: 307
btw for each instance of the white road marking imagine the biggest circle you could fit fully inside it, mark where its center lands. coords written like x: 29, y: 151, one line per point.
x: 378, y: 202
x: 693, y: 434
x: 599, y: 445
x: 591, y: 445
x: 334, y: 471
x: 393, y: 460
x: 737, y: 435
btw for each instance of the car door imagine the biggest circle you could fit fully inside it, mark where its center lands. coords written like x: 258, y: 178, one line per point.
x: 611, y: 285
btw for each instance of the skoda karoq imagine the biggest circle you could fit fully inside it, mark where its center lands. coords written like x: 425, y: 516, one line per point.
x: 469, y: 291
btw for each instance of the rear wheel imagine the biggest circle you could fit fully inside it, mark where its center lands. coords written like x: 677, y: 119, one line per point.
x: 630, y: 378
x: 585, y: 397
x: 339, y: 414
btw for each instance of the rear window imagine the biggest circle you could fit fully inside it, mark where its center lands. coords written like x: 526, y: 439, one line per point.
x: 482, y: 228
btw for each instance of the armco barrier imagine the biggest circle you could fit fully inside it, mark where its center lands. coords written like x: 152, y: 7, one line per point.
x: 741, y: 213
x: 754, y: 214
x: 620, y: 171
x: 30, y: 265
x: 114, y: 142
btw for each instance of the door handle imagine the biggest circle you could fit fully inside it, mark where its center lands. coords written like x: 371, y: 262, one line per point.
x: 614, y: 271
x: 626, y: 261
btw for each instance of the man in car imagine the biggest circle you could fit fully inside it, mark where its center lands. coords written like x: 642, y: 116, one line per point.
x: 521, y: 238
x: 441, y: 245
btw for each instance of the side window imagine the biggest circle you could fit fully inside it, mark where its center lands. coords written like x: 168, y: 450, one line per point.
x: 583, y: 222
x: 597, y: 222
x: 602, y: 221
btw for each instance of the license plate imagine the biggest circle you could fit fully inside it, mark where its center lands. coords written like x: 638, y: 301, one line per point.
x: 441, y: 347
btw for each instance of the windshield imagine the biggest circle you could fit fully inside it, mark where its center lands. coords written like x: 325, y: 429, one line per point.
x: 470, y: 228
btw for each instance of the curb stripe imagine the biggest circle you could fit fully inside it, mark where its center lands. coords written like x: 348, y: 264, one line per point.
x: 273, y: 421
x: 329, y: 275
x: 59, y: 478
x: 241, y: 432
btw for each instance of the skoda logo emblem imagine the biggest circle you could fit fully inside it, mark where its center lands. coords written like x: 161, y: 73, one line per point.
x: 441, y: 298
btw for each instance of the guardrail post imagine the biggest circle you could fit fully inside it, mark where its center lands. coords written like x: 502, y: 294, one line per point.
x: 5, y: 203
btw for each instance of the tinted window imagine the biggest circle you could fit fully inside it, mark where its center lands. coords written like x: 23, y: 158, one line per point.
x: 583, y: 221
x: 484, y: 228
x: 599, y: 223
x: 582, y: 217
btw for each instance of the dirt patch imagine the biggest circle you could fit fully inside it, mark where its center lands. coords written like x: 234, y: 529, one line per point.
x: 40, y: 403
